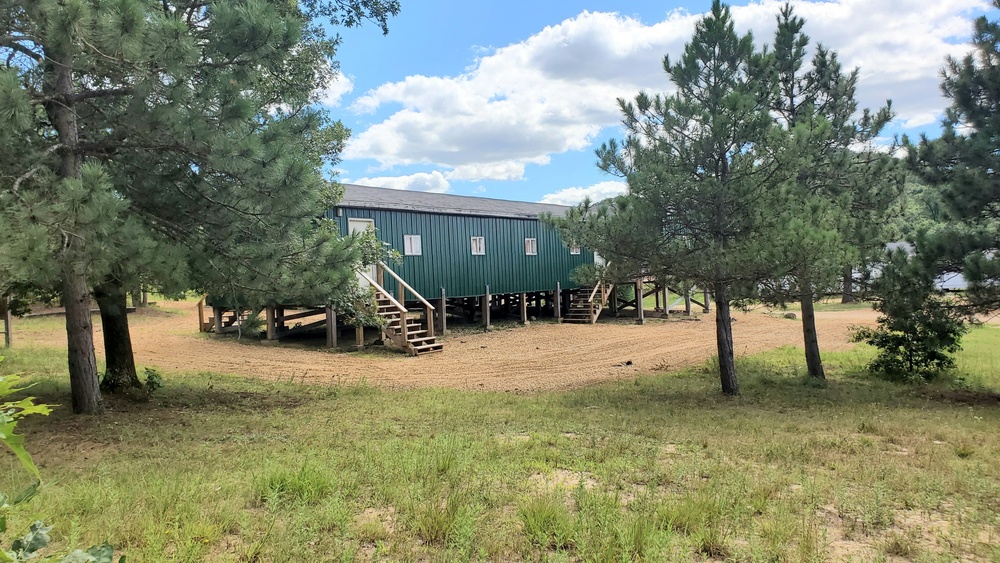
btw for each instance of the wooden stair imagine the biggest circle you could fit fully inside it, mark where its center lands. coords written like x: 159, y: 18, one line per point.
x: 586, y: 304
x: 413, y: 336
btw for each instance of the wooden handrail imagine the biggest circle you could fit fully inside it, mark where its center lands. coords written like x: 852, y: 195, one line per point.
x: 594, y: 293
x: 400, y: 281
x: 387, y: 295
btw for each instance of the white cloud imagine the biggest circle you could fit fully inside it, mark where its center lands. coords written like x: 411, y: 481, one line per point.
x: 339, y: 86
x: 420, y: 182
x: 555, y: 91
x: 921, y: 119
x: 597, y: 192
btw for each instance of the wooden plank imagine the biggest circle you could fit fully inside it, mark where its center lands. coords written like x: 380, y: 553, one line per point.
x: 300, y: 315
x: 331, y: 327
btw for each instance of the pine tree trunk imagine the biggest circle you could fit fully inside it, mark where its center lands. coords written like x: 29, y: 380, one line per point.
x: 120, y: 375
x: 724, y: 339
x: 814, y: 363
x: 83, y: 381
x: 84, y: 384
x: 848, y: 291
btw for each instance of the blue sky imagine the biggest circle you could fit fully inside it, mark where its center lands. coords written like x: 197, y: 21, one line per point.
x: 510, y: 99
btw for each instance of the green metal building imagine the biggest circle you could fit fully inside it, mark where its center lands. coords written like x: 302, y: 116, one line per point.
x: 463, y: 244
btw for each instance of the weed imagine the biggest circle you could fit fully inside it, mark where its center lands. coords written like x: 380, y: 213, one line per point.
x: 277, y: 486
x: 547, y: 522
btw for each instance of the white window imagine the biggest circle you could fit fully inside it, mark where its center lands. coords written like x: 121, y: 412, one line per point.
x: 531, y: 246
x: 479, y: 246
x: 574, y: 250
x: 411, y: 245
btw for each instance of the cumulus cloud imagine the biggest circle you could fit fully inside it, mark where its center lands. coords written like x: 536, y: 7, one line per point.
x: 597, y: 192
x: 434, y: 182
x: 555, y: 91
x: 339, y: 86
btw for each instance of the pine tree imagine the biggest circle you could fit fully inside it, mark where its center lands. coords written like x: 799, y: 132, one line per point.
x: 212, y: 101
x: 964, y: 164
x: 844, y: 189
x: 701, y: 165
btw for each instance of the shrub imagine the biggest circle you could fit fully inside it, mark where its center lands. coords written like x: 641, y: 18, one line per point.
x: 919, y: 328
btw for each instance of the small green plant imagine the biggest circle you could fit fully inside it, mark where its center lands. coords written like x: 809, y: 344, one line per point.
x: 437, y: 522
x: 307, y: 485
x: 28, y: 546
x: 154, y: 380
x: 547, y: 522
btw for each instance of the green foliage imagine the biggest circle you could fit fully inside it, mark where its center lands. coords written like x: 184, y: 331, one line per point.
x: 154, y: 381
x: 919, y: 329
x: 963, y: 166
x: 547, y: 522
x: 28, y: 546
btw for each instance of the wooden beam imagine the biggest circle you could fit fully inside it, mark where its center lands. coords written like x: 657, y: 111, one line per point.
x: 299, y: 315
x: 269, y: 318
x: 687, y: 302
x: 639, y: 309
x: 524, y: 308
x: 486, y: 308
x: 331, y: 327
x: 359, y: 337
x: 8, y: 322
x: 559, y: 301
x: 201, y: 314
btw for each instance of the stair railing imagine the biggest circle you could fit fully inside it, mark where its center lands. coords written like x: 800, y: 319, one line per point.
x: 403, y: 287
x: 403, y: 321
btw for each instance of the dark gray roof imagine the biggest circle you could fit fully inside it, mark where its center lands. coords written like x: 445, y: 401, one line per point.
x: 404, y: 200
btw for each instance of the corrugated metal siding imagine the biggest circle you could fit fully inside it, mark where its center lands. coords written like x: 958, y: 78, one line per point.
x: 447, y: 260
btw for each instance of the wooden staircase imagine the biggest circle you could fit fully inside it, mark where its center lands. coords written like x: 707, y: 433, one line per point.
x: 403, y: 327
x: 586, y: 304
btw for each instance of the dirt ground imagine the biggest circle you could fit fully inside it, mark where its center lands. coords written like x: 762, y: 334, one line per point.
x: 542, y: 356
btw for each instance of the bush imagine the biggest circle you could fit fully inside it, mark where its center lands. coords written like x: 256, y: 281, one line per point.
x: 919, y: 329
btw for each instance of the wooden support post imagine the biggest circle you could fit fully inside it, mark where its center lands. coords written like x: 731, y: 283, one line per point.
x: 486, y: 308
x: 272, y: 332
x: 218, y: 320
x: 707, y: 302
x: 656, y: 292
x: 687, y: 302
x: 443, y: 313
x: 380, y: 275
x: 524, y: 308
x: 401, y: 292
x: 666, y: 302
x: 331, y: 327
x: 558, y: 302
x: 429, y: 316
x: 8, y: 322
x: 640, y: 313
x: 359, y: 337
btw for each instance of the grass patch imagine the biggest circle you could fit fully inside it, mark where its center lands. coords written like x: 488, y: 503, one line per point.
x: 659, y: 468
